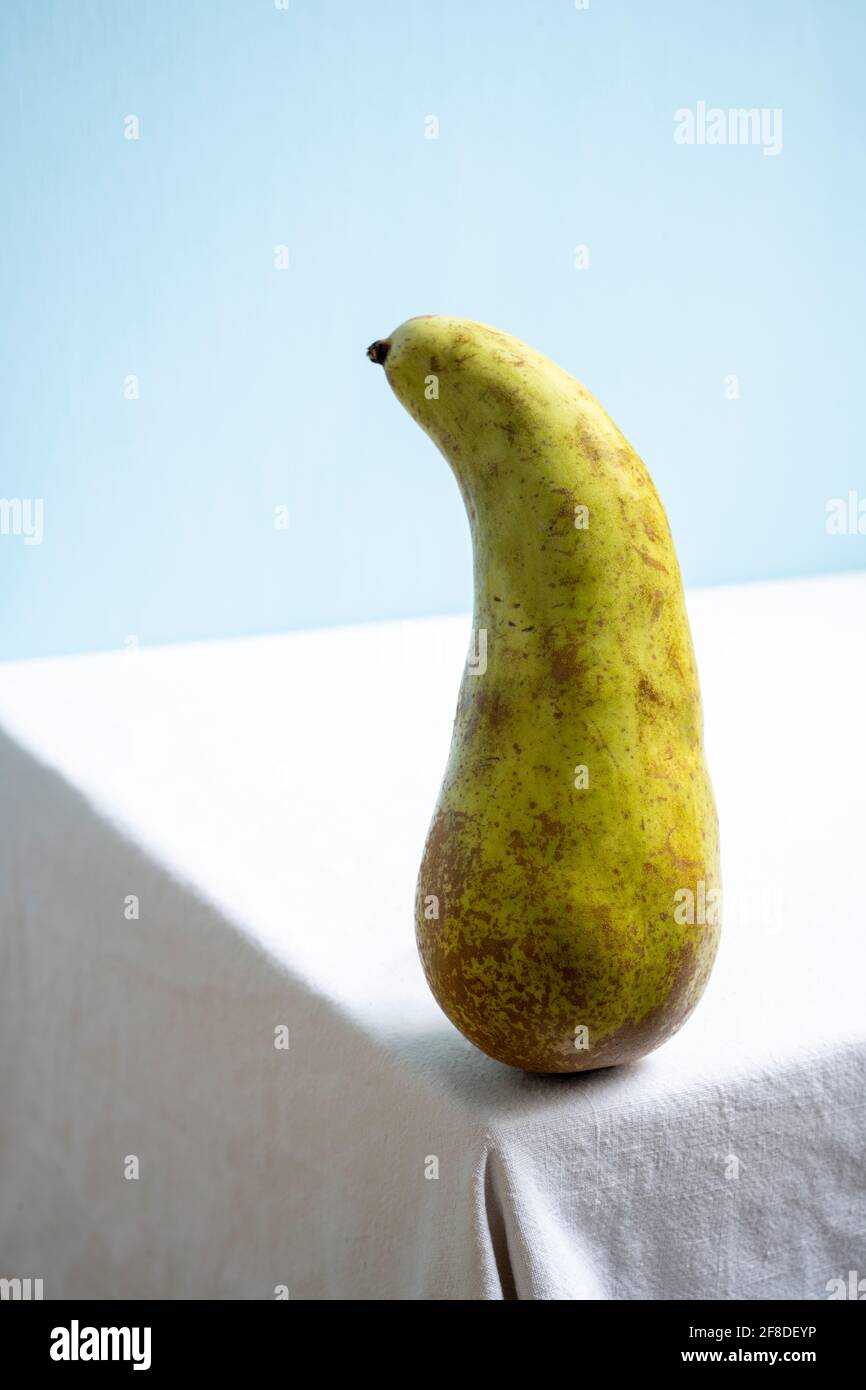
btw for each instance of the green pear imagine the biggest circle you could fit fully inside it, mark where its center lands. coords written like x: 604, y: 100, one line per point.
x: 567, y: 911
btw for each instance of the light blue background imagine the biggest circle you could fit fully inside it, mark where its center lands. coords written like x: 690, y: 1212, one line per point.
x: 306, y: 127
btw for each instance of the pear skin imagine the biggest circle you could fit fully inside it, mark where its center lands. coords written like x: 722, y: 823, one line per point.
x: 567, y: 909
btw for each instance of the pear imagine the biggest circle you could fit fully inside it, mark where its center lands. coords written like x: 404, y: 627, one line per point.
x: 567, y: 909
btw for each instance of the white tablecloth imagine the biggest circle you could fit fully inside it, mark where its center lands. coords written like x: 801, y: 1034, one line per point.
x: 266, y: 801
